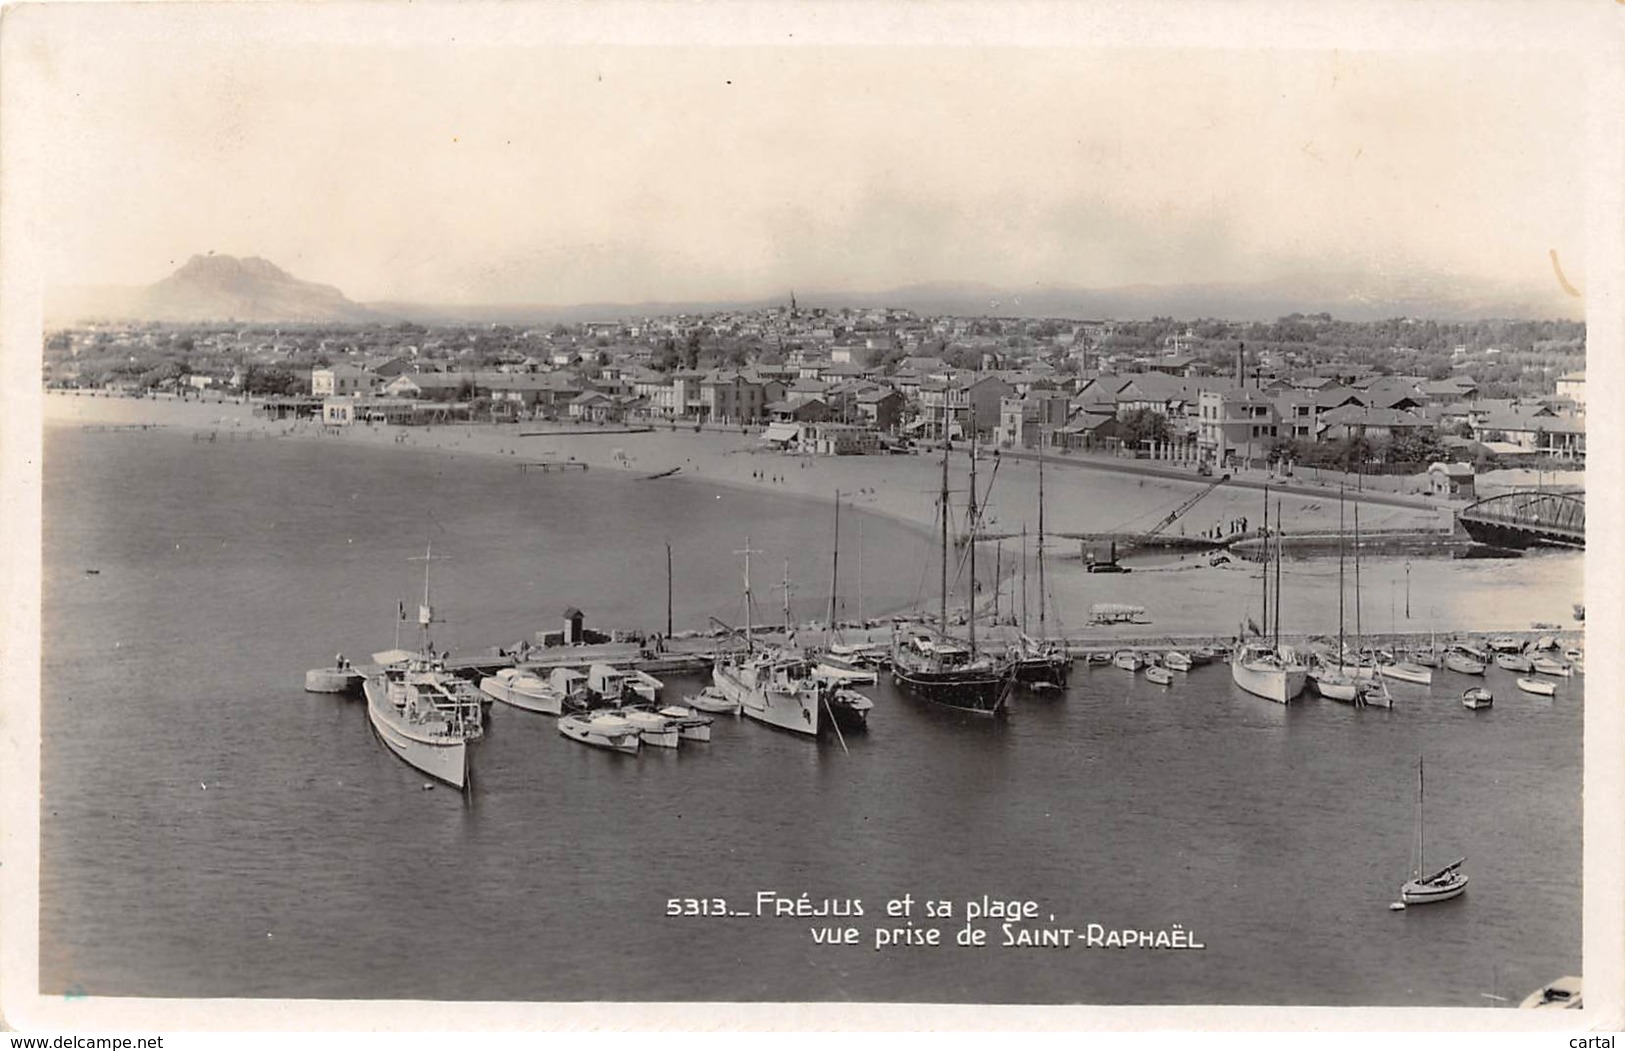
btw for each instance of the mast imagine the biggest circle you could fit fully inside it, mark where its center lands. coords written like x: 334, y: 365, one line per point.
x: 834, y: 569
x: 749, y: 637
x: 970, y: 511
x: 1421, y: 824
x: 1359, y: 630
x: 788, y: 629
x: 1042, y: 631
x: 998, y: 575
x: 425, y: 609
x: 668, y: 589
x: 865, y: 623
x: 942, y: 613
x: 1340, y: 650
x: 1279, y: 539
x: 1024, y: 578
x: 1264, y: 561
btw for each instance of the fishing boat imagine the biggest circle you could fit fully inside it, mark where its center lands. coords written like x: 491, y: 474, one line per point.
x: 1550, y: 666
x: 424, y: 714
x: 1465, y: 660
x: 712, y: 699
x: 1537, y: 686
x: 940, y: 669
x: 523, y: 690
x: 1513, y: 662
x: 691, y: 725
x: 1040, y: 662
x: 835, y: 661
x: 1174, y: 660
x: 1128, y: 660
x: 1269, y: 669
x: 1158, y: 674
x: 600, y: 730
x: 1441, y: 885
x: 1476, y: 697
x: 848, y: 708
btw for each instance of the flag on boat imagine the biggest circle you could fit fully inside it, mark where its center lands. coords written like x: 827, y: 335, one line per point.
x: 402, y: 613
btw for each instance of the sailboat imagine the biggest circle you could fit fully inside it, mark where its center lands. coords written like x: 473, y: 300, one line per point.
x: 424, y: 714
x: 1042, y: 662
x: 837, y: 662
x: 938, y: 668
x: 1268, y: 669
x: 1328, y: 677
x: 1442, y: 885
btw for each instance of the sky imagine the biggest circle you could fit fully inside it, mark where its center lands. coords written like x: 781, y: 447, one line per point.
x: 474, y: 158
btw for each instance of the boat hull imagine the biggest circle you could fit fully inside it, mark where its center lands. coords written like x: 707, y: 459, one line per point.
x: 1406, y: 672
x: 550, y: 703
x: 441, y: 758
x: 797, y: 711
x: 582, y: 729
x: 1417, y: 892
x: 1271, y: 682
x: 1477, y: 698
x: 1043, y: 671
x: 984, y: 693
x: 1537, y: 686
x: 1336, y: 688
x: 1463, y: 665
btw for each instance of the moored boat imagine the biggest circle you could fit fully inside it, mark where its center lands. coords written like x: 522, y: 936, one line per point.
x: 1537, y: 686
x: 691, y: 725
x: 606, y: 683
x: 1128, y: 660
x: 571, y: 685
x: 523, y: 690
x: 643, y: 686
x: 1406, y: 671
x: 1504, y: 644
x: 1333, y: 685
x: 423, y: 714
x: 848, y: 708
x: 1513, y: 662
x: 1464, y: 660
x: 1550, y: 666
x: 1269, y: 672
x: 654, y: 729
x: 1476, y: 697
x: 601, y: 730
x: 712, y: 699
x: 1158, y: 674
x: 1425, y: 887
x: 844, y: 671
x: 1563, y: 994
x: 1174, y: 660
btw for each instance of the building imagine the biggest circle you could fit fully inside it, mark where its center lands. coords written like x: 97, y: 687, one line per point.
x: 1573, y: 387
x: 340, y: 381
x: 1235, y: 426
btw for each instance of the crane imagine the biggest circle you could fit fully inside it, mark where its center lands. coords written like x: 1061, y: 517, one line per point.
x: 1185, y: 505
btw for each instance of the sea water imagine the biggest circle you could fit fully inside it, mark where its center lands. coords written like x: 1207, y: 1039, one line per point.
x: 211, y: 830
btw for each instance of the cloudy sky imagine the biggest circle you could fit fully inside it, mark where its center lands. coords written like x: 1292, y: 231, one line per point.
x: 477, y: 157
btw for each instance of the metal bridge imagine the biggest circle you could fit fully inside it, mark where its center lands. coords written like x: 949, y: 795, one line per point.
x: 1526, y: 519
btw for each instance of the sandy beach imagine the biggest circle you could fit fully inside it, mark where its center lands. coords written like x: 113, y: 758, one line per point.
x: 1179, y: 594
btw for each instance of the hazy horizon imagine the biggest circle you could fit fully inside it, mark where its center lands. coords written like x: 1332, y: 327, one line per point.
x: 498, y: 163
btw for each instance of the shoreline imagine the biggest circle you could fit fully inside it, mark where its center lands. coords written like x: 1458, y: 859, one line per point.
x: 1181, y: 595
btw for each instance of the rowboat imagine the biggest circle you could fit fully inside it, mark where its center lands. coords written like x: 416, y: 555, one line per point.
x: 1158, y: 674
x: 1513, y: 662
x: 1476, y: 697
x: 1540, y: 686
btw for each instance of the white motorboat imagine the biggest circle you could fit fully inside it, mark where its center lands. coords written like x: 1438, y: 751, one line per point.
x: 1464, y: 661
x: 1550, y: 666
x: 1441, y: 885
x: 1269, y: 672
x: 843, y: 671
x: 1513, y: 661
x: 1406, y: 671
x: 606, y: 682
x: 424, y: 714
x: 776, y: 687
x: 1174, y: 660
x: 1476, y: 697
x: 691, y: 725
x: 712, y: 699
x: 601, y: 730
x: 523, y: 690
x: 571, y: 684
x: 1128, y: 660
x: 643, y: 686
x: 1537, y: 686
x: 1158, y: 674
x: 654, y: 729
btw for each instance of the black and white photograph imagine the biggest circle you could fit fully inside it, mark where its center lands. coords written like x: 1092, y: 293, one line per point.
x: 604, y: 512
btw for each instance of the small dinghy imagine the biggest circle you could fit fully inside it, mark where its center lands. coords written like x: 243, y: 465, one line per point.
x: 1176, y: 661
x: 1514, y: 662
x: 1476, y: 697
x: 1539, y: 686
x: 1158, y: 674
x: 1128, y: 660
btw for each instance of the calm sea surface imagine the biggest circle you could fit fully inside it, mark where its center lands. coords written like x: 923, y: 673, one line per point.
x: 211, y: 830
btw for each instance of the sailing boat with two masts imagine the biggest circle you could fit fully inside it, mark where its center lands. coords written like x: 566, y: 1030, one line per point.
x: 422, y: 712
x: 1042, y: 662
x: 936, y: 667
x: 1266, y: 668
x: 1424, y: 887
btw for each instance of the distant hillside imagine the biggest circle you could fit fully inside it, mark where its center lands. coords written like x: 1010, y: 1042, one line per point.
x: 214, y: 288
